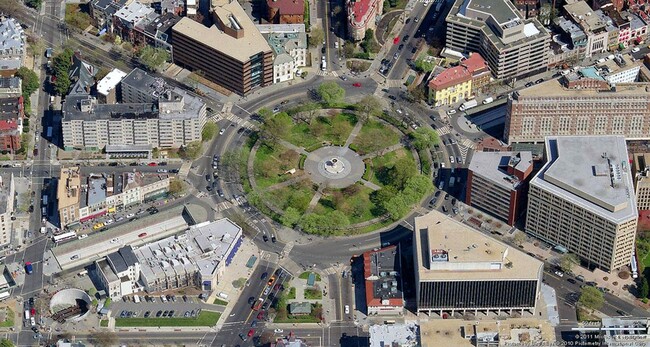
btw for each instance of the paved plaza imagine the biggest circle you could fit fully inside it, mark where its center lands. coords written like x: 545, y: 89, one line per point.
x: 334, y: 166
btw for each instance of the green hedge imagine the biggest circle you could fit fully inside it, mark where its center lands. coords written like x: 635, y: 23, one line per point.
x: 301, y: 162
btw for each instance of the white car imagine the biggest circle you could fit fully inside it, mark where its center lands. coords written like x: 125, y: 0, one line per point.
x: 115, y: 240
x: 559, y: 273
x: 110, y: 221
x: 450, y: 112
x: 635, y: 49
x: 222, y: 131
x: 278, y: 331
x: 347, y: 309
x: 399, y: 111
x: 451, y: 159
x: 81, y: 237
x: 130, y: 215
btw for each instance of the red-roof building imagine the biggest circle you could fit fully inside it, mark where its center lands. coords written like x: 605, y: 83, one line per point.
x: 362, y: 15
x: 11, y: 123
x: 381, y: 270
x: 285, y: 11
x: 459, y: 82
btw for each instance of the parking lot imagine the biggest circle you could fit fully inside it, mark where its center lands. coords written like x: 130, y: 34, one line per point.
x: 178, y: 308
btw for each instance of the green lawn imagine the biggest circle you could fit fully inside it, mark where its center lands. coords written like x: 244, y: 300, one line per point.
x: 353, y: 201
x: 374, y: 136
x: 380, y: 164
x: 218, y: 301
x: 305, y: 275
x: 205, y: 318
x: 313, y: 294
x: 291, y: 294
x: 9, y: 321
x: 103, y: 323
x: 334, y: 129
x: 297, y: 195
x: 296, y: 319
x: 272, y: 163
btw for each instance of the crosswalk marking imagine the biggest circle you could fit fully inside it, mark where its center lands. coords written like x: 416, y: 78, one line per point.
x: 444, y: 130
x: 468, y: 143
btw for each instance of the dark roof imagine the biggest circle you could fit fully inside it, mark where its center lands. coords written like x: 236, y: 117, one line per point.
x: 161, y: 26
x: 9, y: 82
x: 122, y: 259
x: 382, y: 274
x: 139, y: 79
x: 9, y: 108
x: 72, y: 109
x: 82, y: 76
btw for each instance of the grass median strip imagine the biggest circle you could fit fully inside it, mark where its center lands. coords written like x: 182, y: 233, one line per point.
x: 205, y: 318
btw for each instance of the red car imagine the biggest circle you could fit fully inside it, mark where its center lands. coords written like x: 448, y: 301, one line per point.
x: 142, y: 235
x: 251, y: 332
x: 152, y: 164
x: 32, y: 311
x: 357, y: 84
x: 260, y: 315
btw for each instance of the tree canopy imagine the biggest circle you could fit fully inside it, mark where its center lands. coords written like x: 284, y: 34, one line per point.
x: 331, y: 93
x: 61, y: 66
x: 153, y: 58
x: 368, y: 106
x: 316, y: 37
x: 591, y: 298
x: 30, y: 81
x: 568, y: 261
x: 423, y: 138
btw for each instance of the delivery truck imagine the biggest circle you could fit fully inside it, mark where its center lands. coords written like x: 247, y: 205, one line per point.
x: 468, y: 104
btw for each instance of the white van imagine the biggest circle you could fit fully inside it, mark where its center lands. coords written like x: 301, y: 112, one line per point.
x: 347, y: 309
x: 323, y: 64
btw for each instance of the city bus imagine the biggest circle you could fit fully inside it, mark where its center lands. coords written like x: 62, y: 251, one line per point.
x: 64, y: 237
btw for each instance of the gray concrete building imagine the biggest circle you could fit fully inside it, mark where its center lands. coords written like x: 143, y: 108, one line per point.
x: 511, y: 45
x: 7, y: 200
x: 583, y: 199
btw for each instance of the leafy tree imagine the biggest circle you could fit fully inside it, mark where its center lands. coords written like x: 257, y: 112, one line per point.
x: 316, y: 37
x: 104, y: 338
x: 290, y: 217
x: 208, y: 132
x: 422, y: 65
x: 331, y: 93
x: 645, y: 288
x: 153, y: 58
x: 400, y: 173
x: 176, y: 187
x: 36, y: 45
x: 591, y: 298
x: 62, y: 84
x: 75, y: 17
x: 238, y: 283
x: 368, y: 106
x: 519, y: 238
x: 34, y: 3
x: 349, y: 48
x: 275, y: 128
x: 396, y: 207
x: 568, y: 261
x: 6, y: 343
x: 424, y: 138
x: 265, y: 113
x: 369, y: 44
x: 61, y: 65
x: 307, y: 112
x: 92, y: 291
x: 30, y: 81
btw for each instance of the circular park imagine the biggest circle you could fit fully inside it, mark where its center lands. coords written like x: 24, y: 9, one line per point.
x: 334, y: 170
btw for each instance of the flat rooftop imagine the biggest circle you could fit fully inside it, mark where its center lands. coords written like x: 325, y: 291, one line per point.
x: 110, y: 81
x: 592, y: 172
x: 448, y: 250
x: 68, y: 187
x: 554, y: 88
x: 6, y: 193
x: 404, y: 335
x: 241, y: 49
x: 502, y: 11
x: 382, y: 273
x: 493, y: 166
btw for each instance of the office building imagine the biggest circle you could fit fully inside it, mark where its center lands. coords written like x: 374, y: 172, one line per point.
x: 232, y: 53
x: 11, y: 123
x: 13, y: 47
x: 497, y: 183
x: 285, y: 11
x: 583, y: 199
x: 197, y: 258
x: 460, y: 82
x: 487, y: 333
x: 459, y: 269
x: 382, y: 271
x: 511, y: 45
x: 621, y: 69
x: 402, y: 335
x: 7, y: 207
x: 118, y: 273
x: 641, y: 172
x: 588, y: 107
x: 68, y: 195
x: 107, y: 86
x: 362, y: 15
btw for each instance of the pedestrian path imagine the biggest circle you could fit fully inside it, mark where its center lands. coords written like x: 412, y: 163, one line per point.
x: 468, y: 143
x: 463, y: 152
x: 394, y: 83
x: 327, y: 73
x: 444, y: 130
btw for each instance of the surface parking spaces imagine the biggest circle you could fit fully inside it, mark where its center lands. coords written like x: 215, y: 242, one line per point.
x: 190, y: 307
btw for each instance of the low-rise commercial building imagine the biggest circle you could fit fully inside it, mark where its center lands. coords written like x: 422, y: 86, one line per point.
x: 290, y: 51
x: 129, y: 16
x: 102, y: 11
x: 511, y: 45
x: 556, y: 107
x: 68, y: 195
x: 497, y: 183
x: 13, y: 46
x: 285, y: 11
x: 118, y: 273
x: 458, y: 269
x: 232, y: 53
x: 7, y: 200
x: 107, y: 86
x: 459, y: 82
x: 362, y: 15
x: 402, y: 335
x: 592, y: 25
x: 583, y: 199
x: 487, y: 333
x: 382, y: 271
x: 197, y: 258
x: 11, y: 123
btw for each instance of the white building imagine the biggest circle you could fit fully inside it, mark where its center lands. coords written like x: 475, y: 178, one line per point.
x: 7, y: 192
x: 107, y: 87
x: 290, y: 50
x: 403, y: 335
x: 118, y: 273
x: 13, y: 47
x: 621, y: 69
